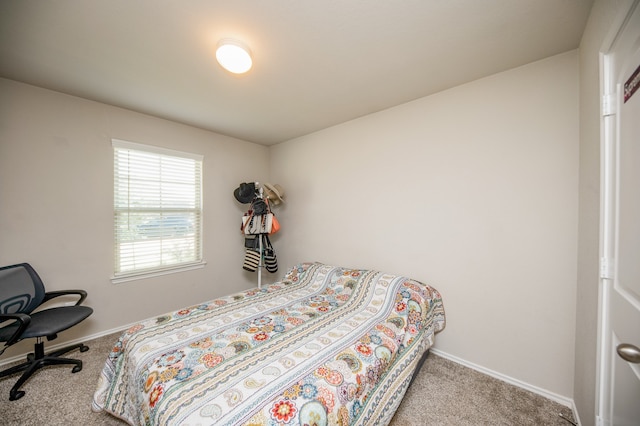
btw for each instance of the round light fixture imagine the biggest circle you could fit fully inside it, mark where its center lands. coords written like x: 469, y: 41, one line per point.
x: 234, y: 56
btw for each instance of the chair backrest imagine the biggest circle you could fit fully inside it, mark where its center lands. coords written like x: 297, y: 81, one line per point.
x: 21, y: 289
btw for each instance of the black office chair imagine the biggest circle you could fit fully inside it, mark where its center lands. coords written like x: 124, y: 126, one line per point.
x: 22, y: 292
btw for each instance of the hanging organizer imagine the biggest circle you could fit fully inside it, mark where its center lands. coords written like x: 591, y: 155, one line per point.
x: 258, y: 222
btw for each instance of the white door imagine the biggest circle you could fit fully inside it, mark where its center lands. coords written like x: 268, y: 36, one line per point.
x: 619, y: 390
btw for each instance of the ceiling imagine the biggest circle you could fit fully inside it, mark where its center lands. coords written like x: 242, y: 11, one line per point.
x: 316, y: 63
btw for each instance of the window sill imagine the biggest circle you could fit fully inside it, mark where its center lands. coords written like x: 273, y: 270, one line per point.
x: 156, y: 272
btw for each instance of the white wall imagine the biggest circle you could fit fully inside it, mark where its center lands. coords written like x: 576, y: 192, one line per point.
x: 472, y: 190
x: 56, y: 203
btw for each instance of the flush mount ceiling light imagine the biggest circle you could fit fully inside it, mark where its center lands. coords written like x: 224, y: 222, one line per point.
x: 234, y: 56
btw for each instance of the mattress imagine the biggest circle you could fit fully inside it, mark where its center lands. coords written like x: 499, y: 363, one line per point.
x: 324, y: 345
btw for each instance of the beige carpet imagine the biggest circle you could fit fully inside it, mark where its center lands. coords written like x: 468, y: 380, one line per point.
x: 444, y: 393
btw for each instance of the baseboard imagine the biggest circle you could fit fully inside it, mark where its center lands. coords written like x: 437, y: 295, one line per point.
x: 567, y: 402
x: 61, y: 345
x: 574, y: 409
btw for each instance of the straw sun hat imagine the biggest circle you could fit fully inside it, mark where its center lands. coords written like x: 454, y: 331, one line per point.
x: 275, y: 193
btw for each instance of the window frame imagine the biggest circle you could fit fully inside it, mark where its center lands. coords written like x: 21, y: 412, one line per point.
x: 142, y: 273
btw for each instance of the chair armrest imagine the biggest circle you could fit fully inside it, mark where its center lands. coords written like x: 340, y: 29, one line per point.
x: 51, y: 294
x: 24, y: 321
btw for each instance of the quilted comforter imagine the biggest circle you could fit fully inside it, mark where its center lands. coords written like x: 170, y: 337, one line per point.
x: 325, y: 345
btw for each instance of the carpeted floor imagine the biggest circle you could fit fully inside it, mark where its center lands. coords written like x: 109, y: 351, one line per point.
x: 444, y: 393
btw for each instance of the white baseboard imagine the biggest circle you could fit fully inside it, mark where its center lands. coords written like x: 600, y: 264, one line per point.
x: 575, y: 412
x: 567, y: 402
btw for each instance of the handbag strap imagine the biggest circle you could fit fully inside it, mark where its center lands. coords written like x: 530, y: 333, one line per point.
x: 266, y: 242
x: 247, y: 222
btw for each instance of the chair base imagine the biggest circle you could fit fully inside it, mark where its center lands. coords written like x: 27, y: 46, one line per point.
x: 37, y: 360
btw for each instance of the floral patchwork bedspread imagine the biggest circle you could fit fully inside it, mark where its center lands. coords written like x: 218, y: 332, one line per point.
x: 326, y: 345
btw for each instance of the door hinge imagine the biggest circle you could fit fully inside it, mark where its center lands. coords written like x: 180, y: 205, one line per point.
x: 606, y: 268
x: 609, y: 104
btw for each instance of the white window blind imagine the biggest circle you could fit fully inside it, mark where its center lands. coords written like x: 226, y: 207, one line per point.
x: 157, y: 209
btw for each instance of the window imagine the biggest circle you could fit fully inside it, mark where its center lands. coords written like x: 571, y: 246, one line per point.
x: 157, y: 210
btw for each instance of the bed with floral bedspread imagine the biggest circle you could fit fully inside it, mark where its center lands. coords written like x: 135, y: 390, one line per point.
x: 325, y: 345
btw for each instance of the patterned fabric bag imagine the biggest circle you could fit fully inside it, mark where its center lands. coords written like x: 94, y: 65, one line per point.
x: 251, y: 260
x: 270, y: 260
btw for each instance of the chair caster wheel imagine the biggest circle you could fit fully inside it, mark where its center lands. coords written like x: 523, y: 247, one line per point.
x: 76, y: 368
x: 15, y: 395
x: 84, y: 348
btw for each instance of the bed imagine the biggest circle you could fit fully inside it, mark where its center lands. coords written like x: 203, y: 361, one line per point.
x: 325, y: 345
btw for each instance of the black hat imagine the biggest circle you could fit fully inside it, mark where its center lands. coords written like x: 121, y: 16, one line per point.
x: 245, y: 192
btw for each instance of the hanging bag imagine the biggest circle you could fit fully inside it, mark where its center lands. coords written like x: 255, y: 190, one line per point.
x: 251, y: 260
x: 270, y: 260
x: 275, y: 225
x: 257, y: 224
x: 258, y: 219
x: 251, y: 242
x: 246, y: 221
x: 259, y: 206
